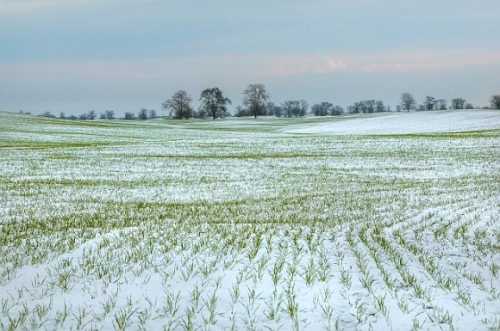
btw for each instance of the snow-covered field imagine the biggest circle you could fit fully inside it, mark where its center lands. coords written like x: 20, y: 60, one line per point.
x: 237, y: 224
x: 404, y: 123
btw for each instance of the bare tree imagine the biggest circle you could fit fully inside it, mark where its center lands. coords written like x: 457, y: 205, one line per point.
x: 213, y: 102
x: 274, y: 110
x: 304, y: 107
x: 129, y: 116
x: 495, y: 101
x: 322, y: 109
x: 110, y: 114
x: 255, y: 99
x: 379, y: 106
x: 179, y: 105
x: 92, y: 115
x: 295, y: 108
x: 367, y: 106
x: 429, y: 103
x: 458, y: 103
x: 143, y: 114
x: 441, y: 104
x: 407, y: 101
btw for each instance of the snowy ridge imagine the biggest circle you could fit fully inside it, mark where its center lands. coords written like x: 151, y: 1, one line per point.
x: 403, y: 123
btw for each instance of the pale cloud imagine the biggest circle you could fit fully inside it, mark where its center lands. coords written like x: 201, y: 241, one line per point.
x: 411, y: 61
x: 232, y: 68
x: 421, y: 61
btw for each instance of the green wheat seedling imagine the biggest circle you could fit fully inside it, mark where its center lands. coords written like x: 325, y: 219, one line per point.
x: 5, y: 306
x: 15, y: 323
x: 310, y: 272
x: 195, y: 297
x: 187, y: 322
x: 62, y: 316
x: 211, y: 308
x: 327, y: 311
x: 172, y: 303
x: 274, y: 306
x: 169, y: 210
x: 416, y: 326
x: 345, y: 278
x: 292, y: 306
x: 403, y: 305
x: 380, y: 305
x: 250, y: 307
x: 144, y: 315
x: 122, y: 318
x: 277, y: 270
x: 109, y: 305
x: 81, y: 318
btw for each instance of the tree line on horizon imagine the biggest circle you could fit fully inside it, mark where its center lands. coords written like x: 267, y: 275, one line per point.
x: 143, y: 114
x: 257, y: 102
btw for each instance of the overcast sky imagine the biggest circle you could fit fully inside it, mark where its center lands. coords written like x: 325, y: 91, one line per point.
x: 77, y: 55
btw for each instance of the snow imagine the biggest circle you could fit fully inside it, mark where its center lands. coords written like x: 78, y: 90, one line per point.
x: 159, y: 225
x: 405, y: 123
